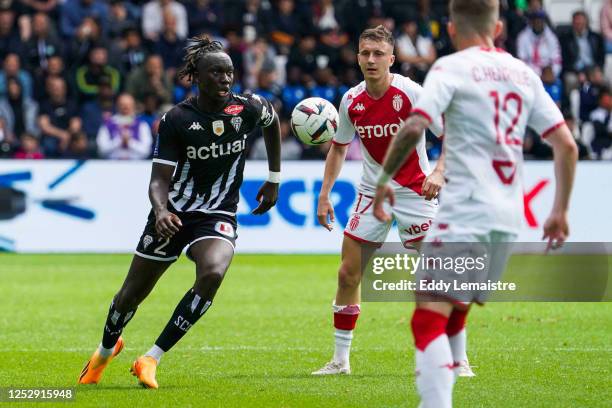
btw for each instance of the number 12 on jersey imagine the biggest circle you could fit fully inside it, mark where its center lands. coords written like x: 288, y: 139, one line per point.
x: 505, y: 169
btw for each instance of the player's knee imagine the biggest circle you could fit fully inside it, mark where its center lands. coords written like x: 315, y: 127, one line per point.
x: 348, y: 276
x: 125, y: 300
x: 209, y: 277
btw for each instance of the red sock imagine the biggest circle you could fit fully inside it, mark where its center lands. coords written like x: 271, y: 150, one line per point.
x: 427, y: 325
x: 345, y: 317
x: 456, y: 322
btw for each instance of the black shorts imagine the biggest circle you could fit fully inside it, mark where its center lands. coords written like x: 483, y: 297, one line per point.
x: 196, y: 227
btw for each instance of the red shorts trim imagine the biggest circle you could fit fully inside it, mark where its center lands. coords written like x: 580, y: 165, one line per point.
x: 361, y: 240
x: 340, y: 144
x: 552, y: 129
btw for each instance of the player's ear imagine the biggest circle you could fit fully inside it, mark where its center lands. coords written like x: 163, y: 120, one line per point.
x: 499, y: 28
x: 392, y: 60
x: 450, y: 28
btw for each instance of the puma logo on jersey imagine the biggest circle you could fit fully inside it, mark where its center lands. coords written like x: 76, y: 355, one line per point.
x: 359, y: 107
x: 195, y: 126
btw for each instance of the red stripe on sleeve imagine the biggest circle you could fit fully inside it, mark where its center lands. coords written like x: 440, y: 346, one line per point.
x: 422, y: 113
x: 552, y: 129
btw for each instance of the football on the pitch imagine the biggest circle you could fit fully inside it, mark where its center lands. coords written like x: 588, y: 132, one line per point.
x: 314, y: 121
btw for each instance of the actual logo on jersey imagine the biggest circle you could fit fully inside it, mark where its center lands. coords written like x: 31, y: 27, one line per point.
x: 146, y: 241
x: 236, y: 122
x: 233, y: 109
x: 218, y: 127
x: 225, y: 228
x: 398, y: 102
x: 359, y: 107
x: 354, y: 222
x: 195, y: 126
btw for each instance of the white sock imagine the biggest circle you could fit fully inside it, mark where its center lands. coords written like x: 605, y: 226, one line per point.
x: 435, y: 377
x: 343, y: 346
x: 458, y: 346
x: 155, y: 352
x: 104, y: 352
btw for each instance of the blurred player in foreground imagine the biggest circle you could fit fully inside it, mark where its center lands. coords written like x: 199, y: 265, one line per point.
x: 196, y: 175
x: 488, y: 98
x: 375, y: 110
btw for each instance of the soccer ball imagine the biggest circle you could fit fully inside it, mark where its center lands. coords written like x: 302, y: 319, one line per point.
x: 314, y: 121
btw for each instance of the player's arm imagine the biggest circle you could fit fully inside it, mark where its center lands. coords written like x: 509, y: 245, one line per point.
x: 408, y: 136
x: 333, y: 165
x: 435, y: 181
x: 565, y: 151
x: 268, y: 193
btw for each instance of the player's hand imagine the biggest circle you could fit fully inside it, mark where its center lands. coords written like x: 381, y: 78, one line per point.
x: 325, y: 213
x: 167, y: 224
x: 556, y: 229
x: 267, y: 196
x: 432, y: 185
x: 383, y: 193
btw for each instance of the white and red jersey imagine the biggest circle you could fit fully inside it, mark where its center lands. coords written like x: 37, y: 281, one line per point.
x: 488, y: 98
x: 376, y: 121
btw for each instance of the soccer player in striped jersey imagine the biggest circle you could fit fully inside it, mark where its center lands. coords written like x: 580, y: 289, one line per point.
x: 488, y: 99
x: 196, y: 175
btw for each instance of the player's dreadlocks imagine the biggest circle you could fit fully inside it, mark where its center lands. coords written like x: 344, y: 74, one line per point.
x: 196, y: 48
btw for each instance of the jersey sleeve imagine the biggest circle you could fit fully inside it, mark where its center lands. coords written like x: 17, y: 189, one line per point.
x: 545, y: 115
x: 437, y: 93
x: 167, y: 149
x: 415, y: 91
x: 346, y: 130
x: 264, y: 110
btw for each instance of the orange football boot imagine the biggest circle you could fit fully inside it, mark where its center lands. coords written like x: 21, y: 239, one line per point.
x: 92, y: 372
x: 144, y: 368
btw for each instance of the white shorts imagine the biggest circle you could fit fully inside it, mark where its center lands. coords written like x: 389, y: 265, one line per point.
x: 446, y: 240
x: 413, y: 214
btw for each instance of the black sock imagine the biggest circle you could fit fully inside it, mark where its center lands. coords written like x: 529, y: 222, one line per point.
x: 115, y: 322
x: 187, y: 312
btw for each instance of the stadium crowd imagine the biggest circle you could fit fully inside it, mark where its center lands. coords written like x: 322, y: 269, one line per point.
x: 91, y: 78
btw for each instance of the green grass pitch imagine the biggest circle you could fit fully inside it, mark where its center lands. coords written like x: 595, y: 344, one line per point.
x: 270, y: 326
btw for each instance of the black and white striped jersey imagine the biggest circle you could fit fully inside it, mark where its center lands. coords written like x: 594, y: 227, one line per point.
x: 208, y: 150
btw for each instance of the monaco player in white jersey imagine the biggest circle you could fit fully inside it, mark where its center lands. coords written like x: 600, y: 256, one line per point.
x: 488, y: 98
x: 374, y: 110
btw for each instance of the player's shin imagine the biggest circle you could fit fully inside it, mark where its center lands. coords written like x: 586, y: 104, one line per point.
x: 188, y: 311
x: 115, y: 323
x: 434, y: 361
x: 457, y: 338
x: 345, y: 318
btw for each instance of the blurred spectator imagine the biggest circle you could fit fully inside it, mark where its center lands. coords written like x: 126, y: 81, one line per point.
x: 183, y: 89
x: 325, y: 15
x: 152, y: 18
x: 235, y: 48
x: 150, y: 111
x: 293, y: 91
x: 169, y: 46
x: 58, y: 118
x: 553, y: 85
x: 18, y: 110
x: 268, y: 88
x: 415, y: 52
x: 249, y: 15
x: 285, y: 24
x: 570, y: 121
x: 129, y: 51
x: 204, y: 14
x: 602, y: 126
x: 326, y: 86
x: 88, y: 77
x: 606, y: 24
x: 42, y: 45
x: 304, y: 57
x: 123, y: 135
x: 581, y: 48
x: 538, y: 46
x: 12, y: 69
x: 331, y: 42
x: 73, y: 12
x: 95, y: 111
x: 150, y: 77
x: 78, y: 147
x: 10, y: 42
x: 318, y: 152
x: 291, y: 149
x: 259, y: 57
x: 7, y: 140
x: 122, y: 16
x: 589, y: 92
x: 87, y: 36
x: 48, y: 7
x: 29, y: 148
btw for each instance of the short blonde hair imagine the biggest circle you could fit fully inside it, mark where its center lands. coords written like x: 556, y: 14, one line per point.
x: 378, y: 33
x: 476, y: 16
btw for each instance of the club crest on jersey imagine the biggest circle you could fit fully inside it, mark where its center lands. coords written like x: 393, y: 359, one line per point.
x: 218, y: 127
x: 225, y: 228
x: 195, y: 126
x: 146, y: 241
x: 398, y: 102
x: 354, y: 223
x: 233, y: 109
x: 236, y: 122
x: 359, y: 107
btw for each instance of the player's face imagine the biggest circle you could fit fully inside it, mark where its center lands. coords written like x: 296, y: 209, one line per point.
x: 375, y: 59
x: 215, y: 75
